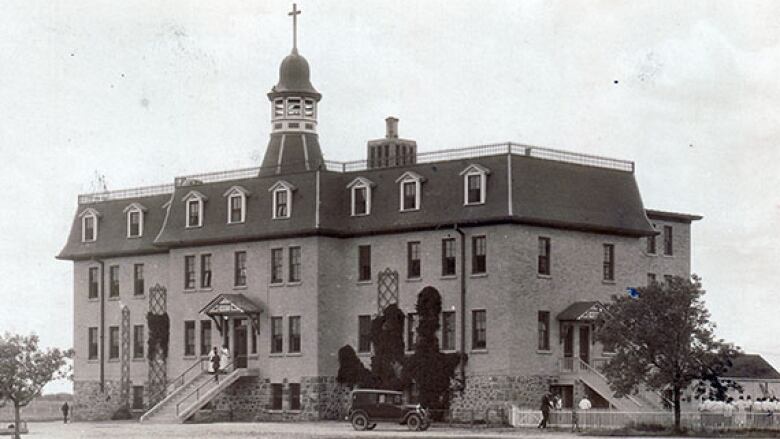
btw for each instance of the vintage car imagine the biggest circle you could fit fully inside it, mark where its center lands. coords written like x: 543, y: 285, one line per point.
x: 369, y: 406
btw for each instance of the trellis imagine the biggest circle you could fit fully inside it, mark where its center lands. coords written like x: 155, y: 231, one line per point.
x: 125, y: 362
x: 387, y: 289
x: 157, y: 379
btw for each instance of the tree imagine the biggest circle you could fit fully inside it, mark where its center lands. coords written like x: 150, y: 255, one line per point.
x: 430, y: 369
x: 387, y: 337
x: 662, y: 339
x: 25, y: 369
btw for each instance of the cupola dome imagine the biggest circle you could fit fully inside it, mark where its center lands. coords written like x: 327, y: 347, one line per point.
x: 294, y: 76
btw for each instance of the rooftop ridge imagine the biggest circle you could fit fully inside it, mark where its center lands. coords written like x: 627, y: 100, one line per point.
x: 474, y: 151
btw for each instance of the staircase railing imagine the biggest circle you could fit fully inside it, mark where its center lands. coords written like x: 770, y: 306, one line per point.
x: 178, y: 381
x: 229, y: 368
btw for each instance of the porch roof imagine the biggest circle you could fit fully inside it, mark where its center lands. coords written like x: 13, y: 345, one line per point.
x: 229, y: 304
x: 581, y: 311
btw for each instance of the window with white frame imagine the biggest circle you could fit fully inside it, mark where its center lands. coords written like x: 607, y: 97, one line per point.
x: 474, y: 184
x: 236, y: 204
x: 89, y: 225
x: 135, y: 220
x: 194, y: 208
x: 410, y: 186
x: 360, y: 195
x: 281, y: 194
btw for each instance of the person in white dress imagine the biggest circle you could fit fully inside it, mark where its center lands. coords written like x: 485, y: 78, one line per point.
x: 224, y: 358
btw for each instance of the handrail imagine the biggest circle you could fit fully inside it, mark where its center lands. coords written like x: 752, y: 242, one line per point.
x: 164, y: 391
x: 196, y: 392
x: 583, y: 366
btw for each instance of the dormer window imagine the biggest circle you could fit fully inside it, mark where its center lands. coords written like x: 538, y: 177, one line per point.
x: 360, y: 195
x: 474, y: 184
x: 410, y: 191
x: 135, y: 220
x: 89, y: 225
x: 236, y: 204
x: 194, y: 208
x: 281, y: 194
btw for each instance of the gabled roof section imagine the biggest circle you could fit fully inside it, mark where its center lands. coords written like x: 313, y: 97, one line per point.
x: 194, y: 194
x: 282, y: 184
x: 581, y: 311
x: 237, y: 190
x: 361, y: 181
x: 410, y: 175
x: 751, y: 366
x: 135, y: 206
x: 89, y: 211
x: 672, y: 216
x: 231, y: 303
x: 475, y: 168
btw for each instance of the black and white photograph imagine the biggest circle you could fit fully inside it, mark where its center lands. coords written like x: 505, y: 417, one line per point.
x: 389, y: 219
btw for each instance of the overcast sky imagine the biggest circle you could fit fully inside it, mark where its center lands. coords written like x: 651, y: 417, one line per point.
x: 142, y: 91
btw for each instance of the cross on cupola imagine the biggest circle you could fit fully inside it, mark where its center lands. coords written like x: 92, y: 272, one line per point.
x: 294, y: 14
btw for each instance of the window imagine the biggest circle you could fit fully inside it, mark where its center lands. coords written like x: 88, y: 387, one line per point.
x: 113, y: 276
x: 668, y: 247
x: 544, y: 330
x: 134, y: 224
x: 276, y: 396
x: 294, y: 107
x: 295, y: 264
x: 138, y: 397
x: 295, y: 396
x: 609, y: 262
x: 411, y: 331
x: 276, y: 266
x: 650, y: 278
x: 138, y: 279
x: 360, y: 194
x: 93, y: 283
x: 543, y: 265
x: 413, y: 260
x: 448, y: 331
x: 113, y: 342
x: 253, y: 330
x: 478, y: 254
x: 474, y: 182
x: 281, y: 194
x: 276, y: 335
x: 410, y: 191
x: 668, y: 278
x: 205, y: 271
x: 364, y: 263
x: 448, y: 257
x: 308, y: 108
x: 294, y: 334
x: 239, y: 278
x: 189, y: 272
x: 205, y: 337
x: 478, y: 329
x: 279, y: 108
x: 364, y: 333
x: 189, y: 338
x: 138, y: 341
x: 92, y: 343
x: 651, y: 245
x: 89, y: 225
x: 194, y: 212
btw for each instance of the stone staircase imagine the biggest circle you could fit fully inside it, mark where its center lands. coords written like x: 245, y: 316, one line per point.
x: 165, y: 410
x: 644, y: 401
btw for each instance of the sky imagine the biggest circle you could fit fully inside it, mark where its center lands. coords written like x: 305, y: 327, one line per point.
x: 141, y: 91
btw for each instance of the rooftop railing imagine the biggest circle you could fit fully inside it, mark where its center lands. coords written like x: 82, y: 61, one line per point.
x: 362, y: 165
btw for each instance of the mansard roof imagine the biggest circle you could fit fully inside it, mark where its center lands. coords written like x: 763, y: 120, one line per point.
x: 543, y: 192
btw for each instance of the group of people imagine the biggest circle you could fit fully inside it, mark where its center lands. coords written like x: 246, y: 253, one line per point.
x: 218, y: 361
x: 554, y: 402
x: 740, y: 412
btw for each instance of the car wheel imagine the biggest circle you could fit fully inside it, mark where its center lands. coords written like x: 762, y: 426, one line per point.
x: 371, y: 427
x: 425, y: 425
x: 414, y: 422
x: 359, y: 422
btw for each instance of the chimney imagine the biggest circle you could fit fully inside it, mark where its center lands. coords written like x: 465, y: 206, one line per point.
x: 392, y: 127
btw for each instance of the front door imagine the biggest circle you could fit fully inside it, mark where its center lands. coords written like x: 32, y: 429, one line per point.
x: 585, y: 344
x: 568, y: 342
x: 239, y: 342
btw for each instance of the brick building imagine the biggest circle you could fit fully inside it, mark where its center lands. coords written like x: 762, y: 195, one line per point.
x: 287, y: 262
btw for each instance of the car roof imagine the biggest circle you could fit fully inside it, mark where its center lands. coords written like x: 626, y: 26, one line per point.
x: 394, y: 392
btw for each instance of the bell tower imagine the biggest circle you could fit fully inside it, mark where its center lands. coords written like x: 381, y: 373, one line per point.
x: 294, y: 143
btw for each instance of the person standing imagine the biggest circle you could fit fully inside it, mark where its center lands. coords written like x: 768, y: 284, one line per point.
x: 214, y: 359
x: 225, y: 360
x: 584, y: 406
x: 65, y: 410
x: 545, y: 408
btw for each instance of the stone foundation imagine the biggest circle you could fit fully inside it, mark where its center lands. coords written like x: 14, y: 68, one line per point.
x: 90, y: 404
x: 486, y: 398
x: 249, y: 400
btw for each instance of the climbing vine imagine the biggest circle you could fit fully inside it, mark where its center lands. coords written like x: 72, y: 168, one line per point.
x: 159, y: 332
